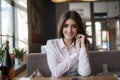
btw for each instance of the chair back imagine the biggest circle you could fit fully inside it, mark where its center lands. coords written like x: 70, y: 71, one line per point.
x: 39, y: 61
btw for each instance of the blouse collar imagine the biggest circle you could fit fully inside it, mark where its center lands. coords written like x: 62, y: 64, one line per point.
x: 62, y: 44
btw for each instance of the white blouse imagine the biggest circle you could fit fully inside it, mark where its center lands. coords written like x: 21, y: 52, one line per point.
x: 62, y: 60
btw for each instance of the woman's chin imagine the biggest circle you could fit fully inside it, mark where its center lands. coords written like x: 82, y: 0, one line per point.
x: 69, y: 38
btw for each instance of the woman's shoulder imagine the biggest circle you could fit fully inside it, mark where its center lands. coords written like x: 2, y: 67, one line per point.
x: 53, y: 40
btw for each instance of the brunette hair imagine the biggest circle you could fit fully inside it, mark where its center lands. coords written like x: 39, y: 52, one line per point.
x: 70, y: 15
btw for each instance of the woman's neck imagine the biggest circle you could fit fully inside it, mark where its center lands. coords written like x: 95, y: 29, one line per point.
x: 67, y: 42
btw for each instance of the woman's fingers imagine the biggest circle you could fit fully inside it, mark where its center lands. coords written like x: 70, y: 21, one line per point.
x: 80, y: 36
x: 81, y: 39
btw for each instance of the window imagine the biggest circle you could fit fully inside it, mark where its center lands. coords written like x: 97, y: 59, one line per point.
x: 89, y: 34
x: 6, y: 23
x: 13, y: 22
x: 98, y: 34
x: 21, y: 25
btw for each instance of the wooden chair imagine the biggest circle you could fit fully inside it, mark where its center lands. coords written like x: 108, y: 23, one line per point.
x: 39, y: 61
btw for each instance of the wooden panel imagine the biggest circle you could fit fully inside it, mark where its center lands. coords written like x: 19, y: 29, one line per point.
x: 112, y: 38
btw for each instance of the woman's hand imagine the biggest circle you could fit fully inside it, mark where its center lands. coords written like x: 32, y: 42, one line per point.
x: 80, y: 42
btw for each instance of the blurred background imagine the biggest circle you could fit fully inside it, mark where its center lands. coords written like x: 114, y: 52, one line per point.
x: 29, y: 24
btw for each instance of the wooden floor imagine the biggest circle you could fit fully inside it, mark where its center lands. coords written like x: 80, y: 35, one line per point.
x: 21, y: 74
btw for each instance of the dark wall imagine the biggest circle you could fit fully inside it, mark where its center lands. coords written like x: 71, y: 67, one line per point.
x: 41, y: 23
x: 49, y: 21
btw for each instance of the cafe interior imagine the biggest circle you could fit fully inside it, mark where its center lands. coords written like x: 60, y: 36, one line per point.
x: 28, y: 24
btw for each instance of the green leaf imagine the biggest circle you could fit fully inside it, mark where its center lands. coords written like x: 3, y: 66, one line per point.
x: 2, y: 49
x: 19, y: 52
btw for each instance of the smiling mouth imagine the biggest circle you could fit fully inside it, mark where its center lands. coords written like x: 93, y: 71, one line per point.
x: 69, y: 34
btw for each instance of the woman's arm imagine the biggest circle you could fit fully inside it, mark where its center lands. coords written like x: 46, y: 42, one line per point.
x: 83, y: 65
x: 58, y: 68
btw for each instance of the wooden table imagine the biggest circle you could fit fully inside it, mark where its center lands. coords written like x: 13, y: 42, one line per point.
x: 70, y: 78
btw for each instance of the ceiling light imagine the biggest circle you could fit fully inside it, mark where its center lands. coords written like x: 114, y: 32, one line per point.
x: 58, y: 1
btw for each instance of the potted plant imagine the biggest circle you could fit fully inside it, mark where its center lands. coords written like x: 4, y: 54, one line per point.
x: 18, y: 54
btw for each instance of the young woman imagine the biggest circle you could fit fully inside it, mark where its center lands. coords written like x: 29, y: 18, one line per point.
x: 67, y: 55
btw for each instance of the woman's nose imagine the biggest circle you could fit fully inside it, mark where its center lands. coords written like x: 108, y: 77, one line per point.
x: 69, y: 29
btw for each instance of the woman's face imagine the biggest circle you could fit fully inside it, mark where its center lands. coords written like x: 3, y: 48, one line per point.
x: 70, y: 29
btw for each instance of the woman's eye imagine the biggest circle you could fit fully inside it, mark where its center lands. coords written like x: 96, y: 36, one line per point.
x: 65, y: 25
x: 74, y: 26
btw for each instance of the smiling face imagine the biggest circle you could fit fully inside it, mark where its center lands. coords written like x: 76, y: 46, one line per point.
x: 70, y: 29
x: 69, y: 24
